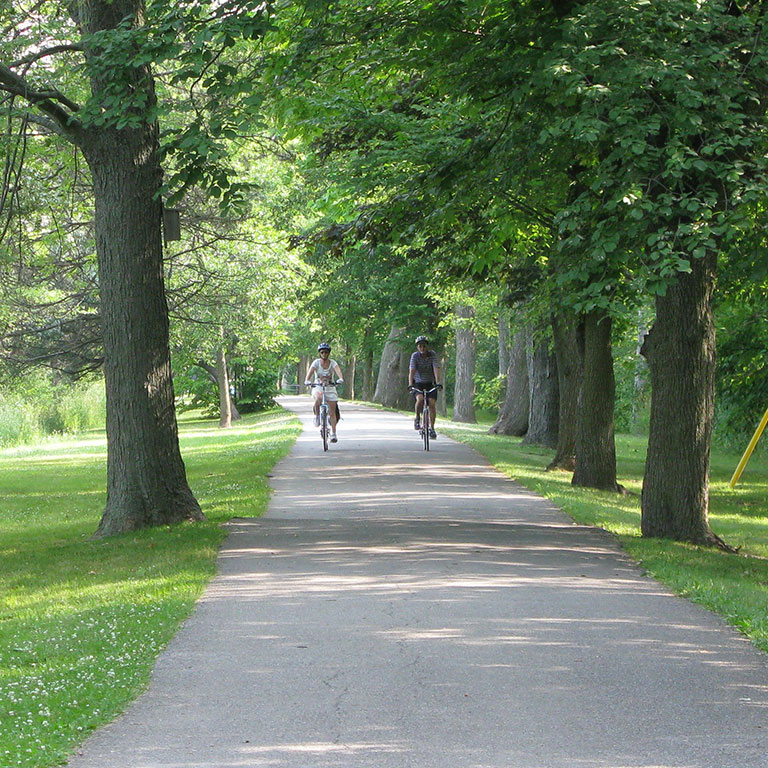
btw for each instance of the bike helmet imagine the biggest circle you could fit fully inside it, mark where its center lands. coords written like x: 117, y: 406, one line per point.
x: 324, y: 345
x: 422, y: 339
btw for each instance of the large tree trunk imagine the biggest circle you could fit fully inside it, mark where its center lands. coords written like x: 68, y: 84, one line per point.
x: 505, y: 341
x: 569, y: 374
x: 219, y: 376
x: 513, y: 416
x: 680, y: 350
x: 442, y: 400
x: 544, y: 408
x: 392, y: 383
x: 466, y: 353
x: 146, y: 478
x: 368, y: 376
x: 349, y: 377
x: 595, y: 444
x: 222, y: 384
x: 302, y: 367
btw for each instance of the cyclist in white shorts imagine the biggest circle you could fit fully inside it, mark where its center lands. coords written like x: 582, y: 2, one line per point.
x: 320, y: 370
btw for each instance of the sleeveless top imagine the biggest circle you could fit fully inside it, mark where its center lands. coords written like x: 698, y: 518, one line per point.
x: 322, y: 373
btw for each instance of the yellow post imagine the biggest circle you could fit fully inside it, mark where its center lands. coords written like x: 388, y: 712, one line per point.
x: 750, y: 448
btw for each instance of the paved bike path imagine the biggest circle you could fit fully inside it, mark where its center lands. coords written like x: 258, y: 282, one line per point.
x: 400, y: 609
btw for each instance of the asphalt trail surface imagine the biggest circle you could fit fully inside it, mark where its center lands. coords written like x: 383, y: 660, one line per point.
x: 403, y: 609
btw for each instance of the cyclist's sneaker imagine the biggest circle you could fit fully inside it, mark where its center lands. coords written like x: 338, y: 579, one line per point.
x: 416, y: 424
x: 316, y: 421
x: 432, y: 434
x: 334, y: 439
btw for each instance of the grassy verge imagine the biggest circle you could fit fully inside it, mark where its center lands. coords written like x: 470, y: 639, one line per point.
x: 735, y: 586
x: 82, y: 621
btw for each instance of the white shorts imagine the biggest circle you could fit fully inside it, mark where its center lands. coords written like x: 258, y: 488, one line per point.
x: 331, y: 395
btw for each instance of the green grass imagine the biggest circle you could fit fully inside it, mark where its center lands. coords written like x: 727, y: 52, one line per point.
x: 733, y: 585
x: 82, y: 620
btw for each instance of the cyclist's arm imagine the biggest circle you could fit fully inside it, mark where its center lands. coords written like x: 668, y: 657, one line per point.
x: 339, y: 377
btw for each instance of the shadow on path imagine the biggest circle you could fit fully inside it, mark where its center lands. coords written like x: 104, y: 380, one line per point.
x: 356, y: 626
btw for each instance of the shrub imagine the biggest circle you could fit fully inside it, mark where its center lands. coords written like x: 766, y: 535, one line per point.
x: 256, y: 390
x: 489, y: 392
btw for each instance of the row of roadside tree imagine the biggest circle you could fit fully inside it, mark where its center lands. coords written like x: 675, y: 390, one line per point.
x: 581, y: 172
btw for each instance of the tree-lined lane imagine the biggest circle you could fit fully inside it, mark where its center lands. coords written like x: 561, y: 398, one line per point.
x: 345, y: 629
x: 380, y: 469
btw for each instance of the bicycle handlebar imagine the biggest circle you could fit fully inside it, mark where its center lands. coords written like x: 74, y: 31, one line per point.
x: 425, y: 391
x: 323, y: 383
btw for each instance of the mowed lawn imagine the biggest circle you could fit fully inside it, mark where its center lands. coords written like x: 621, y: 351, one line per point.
x: 82, y: 620
x: 733, y: 585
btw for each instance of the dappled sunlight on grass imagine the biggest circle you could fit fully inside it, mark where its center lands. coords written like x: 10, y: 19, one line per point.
x: 82, y: 620
x: 65, y: 446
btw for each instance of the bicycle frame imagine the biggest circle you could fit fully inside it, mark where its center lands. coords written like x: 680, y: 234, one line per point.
x: 323, y: 410
x: 425, y: 413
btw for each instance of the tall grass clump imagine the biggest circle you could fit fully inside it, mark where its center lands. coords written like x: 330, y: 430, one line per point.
x: 33, y: 407
x: 19, y: 421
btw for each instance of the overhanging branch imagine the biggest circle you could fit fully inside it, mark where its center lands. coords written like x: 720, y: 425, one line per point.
x: 52, y: 103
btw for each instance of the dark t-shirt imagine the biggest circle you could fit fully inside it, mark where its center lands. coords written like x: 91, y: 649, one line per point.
x: 424, y: 367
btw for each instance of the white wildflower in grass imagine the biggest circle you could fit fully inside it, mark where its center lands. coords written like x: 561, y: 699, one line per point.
x: 82, y: 621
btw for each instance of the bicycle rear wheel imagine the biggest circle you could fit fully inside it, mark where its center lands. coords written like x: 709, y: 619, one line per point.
x: 425, y: 425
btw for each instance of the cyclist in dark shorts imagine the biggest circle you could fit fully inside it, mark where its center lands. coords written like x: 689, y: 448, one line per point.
x: 424, y: 372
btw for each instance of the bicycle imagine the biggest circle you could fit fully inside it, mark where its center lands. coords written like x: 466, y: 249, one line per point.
x: 323, y: 410
x: 424, y: 416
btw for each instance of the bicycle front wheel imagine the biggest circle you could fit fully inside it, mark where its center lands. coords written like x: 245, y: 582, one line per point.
x: 324, y: 428
x: 425, y: 426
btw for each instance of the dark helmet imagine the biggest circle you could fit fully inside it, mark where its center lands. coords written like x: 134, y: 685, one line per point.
x: 422, y: 339
x: 324, y: 345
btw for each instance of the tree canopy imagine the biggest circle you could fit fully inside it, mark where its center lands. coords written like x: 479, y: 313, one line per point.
x: 346, y: 168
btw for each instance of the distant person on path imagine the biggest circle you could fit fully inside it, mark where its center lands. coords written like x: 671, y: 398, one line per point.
x: 424, y: 373
x: 321, y: 371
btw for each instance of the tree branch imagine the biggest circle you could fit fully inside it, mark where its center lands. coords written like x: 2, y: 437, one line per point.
x: 49, y: 102
x: 33, y: 57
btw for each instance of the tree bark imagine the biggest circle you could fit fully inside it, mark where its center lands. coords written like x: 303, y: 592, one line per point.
x: 442, y: 400
x: 595, y: 444
x: 505, y: 341
x: 680, y: 350
x: 221, y: 387
x: 569, y: 374
x: 466, y: 353
x: 392, y: 383
x: 146, y: 478
x: 544, y: 408
x: 302, y: 368
x: 368, y: 377
x: 349, y: 377
x: 513, y: 416
x: 222, y: 384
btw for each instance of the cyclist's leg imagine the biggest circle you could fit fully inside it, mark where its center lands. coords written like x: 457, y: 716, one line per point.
x: 418, y: 408
x: 432, y: 414
x: 333, y: 419
x: 432, y: 411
